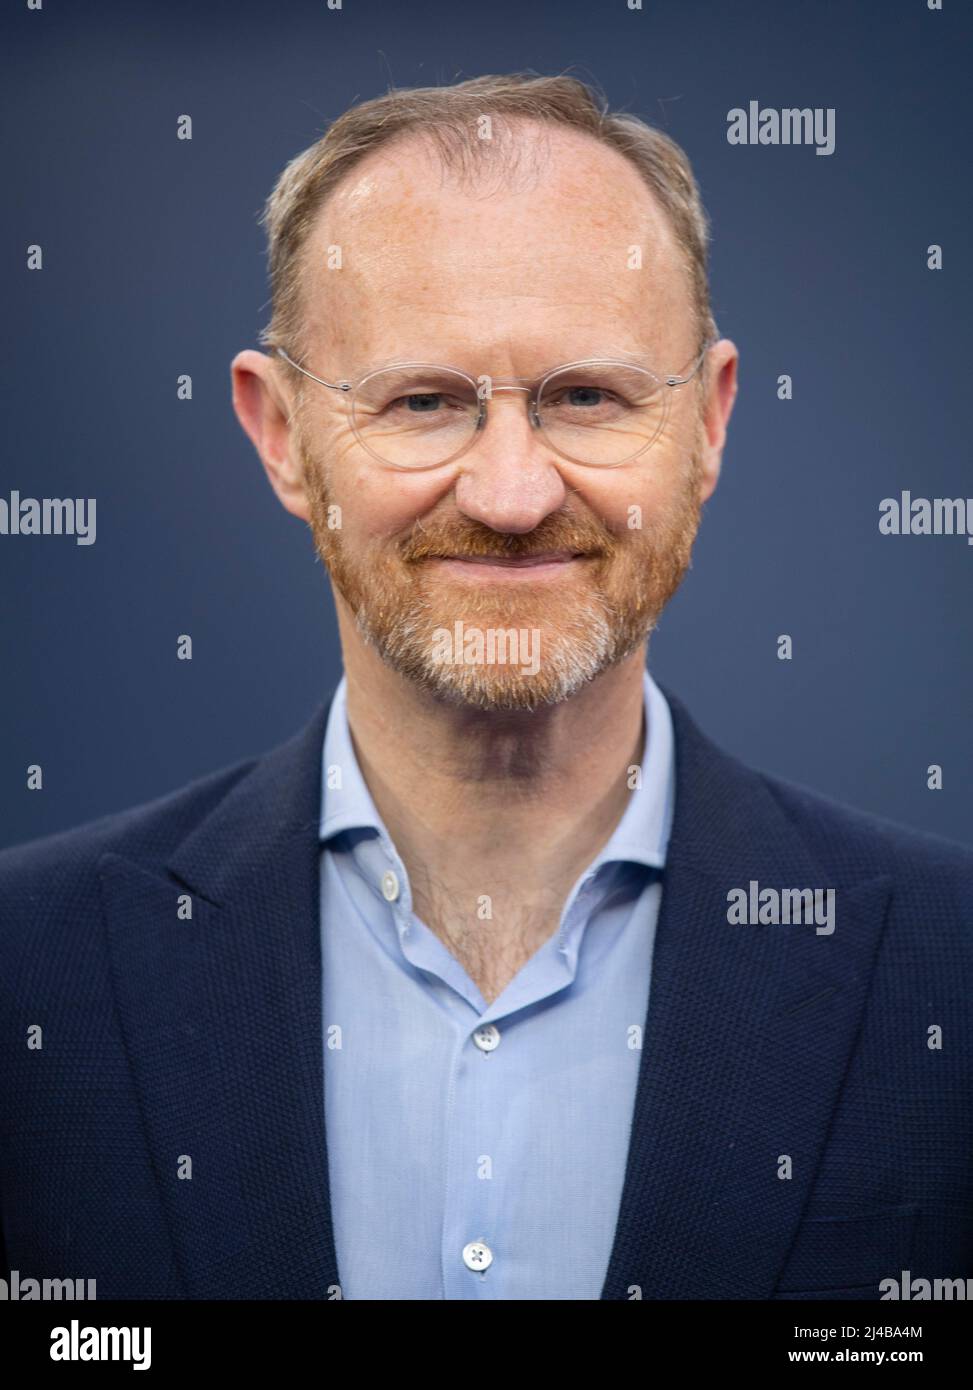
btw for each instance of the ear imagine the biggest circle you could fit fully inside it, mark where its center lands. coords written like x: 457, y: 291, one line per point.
x: 264, y: 406
x: 721, y: 390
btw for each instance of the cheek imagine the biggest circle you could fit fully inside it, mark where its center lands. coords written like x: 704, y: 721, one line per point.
x: 655, y: 486
x: 380, y: 504
x: 624, y: 496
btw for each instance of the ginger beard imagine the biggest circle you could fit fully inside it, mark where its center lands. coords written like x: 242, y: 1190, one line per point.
x: 590, y: 620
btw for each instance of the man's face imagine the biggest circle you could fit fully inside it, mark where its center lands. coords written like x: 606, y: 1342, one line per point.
x: 507, y: 282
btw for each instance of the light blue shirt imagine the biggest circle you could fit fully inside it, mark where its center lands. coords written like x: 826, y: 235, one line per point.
x: 478, y: 1151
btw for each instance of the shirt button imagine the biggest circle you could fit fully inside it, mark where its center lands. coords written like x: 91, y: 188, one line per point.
x: 390, y: 886
x: 477, y: 1256
x: 487, y: 1038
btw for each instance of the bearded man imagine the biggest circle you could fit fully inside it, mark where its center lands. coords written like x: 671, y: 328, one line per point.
x: 500, y: 980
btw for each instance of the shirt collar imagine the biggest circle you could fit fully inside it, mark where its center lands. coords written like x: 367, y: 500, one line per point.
x: 641, y: 836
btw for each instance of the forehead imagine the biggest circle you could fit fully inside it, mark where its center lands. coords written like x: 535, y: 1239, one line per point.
x: 570, y: 255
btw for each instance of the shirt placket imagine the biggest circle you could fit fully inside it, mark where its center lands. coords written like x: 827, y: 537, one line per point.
x: 475, y: 1263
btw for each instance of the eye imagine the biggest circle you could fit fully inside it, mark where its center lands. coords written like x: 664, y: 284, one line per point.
x: 590, y: 402
x: 421, y: 402
x: 424, y: 403
x: 585, y: 396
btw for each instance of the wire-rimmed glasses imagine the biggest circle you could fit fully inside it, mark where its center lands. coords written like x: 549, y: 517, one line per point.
x: 600, y: 412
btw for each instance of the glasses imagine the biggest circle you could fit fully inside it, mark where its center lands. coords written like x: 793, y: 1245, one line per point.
x: 598, y: 412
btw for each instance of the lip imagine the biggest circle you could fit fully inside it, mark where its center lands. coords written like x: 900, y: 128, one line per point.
x: 503, y: 569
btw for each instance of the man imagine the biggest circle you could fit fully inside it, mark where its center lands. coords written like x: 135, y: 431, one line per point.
x: 499, y: 981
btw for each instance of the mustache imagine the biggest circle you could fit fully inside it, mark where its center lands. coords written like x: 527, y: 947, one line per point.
x: 469, y: 539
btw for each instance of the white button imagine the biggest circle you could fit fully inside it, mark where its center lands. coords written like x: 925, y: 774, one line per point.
x: 476, y: 1255
x: 390, y: 886
x: 487, y: 1038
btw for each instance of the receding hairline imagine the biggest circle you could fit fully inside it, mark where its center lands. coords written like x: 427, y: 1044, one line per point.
x: 518, y: 149
x: 516, y: 163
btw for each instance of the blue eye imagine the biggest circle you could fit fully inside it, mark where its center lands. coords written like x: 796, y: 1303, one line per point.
x: 423, y: 403
x: 585, y: 395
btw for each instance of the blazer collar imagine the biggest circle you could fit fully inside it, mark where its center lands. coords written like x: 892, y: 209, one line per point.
x: 748, y: 1034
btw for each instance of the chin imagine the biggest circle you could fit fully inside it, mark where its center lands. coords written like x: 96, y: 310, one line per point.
x: 500, y: 696
x: 537, y: 668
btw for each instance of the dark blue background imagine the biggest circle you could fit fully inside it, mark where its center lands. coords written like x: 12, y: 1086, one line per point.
x: 153, y: 266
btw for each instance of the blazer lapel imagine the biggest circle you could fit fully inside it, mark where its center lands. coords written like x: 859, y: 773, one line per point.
x: 221, y: 1016
x: 748, y: 1034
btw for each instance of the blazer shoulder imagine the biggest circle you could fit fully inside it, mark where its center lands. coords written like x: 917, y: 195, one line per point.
x: 59, y: 873
x: 865, y: 842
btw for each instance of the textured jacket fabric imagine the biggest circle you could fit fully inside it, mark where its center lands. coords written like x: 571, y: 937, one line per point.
x: 803, y: 1125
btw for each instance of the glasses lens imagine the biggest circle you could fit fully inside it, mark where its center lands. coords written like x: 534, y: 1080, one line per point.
x: 415, y: 417
x: 601, y: 412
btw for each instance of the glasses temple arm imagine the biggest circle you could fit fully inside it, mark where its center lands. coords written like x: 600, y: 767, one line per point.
x: 682, y: 380
x: 333, y: 386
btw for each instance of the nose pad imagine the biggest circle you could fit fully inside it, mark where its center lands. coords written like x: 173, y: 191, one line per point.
x: 532, y: 416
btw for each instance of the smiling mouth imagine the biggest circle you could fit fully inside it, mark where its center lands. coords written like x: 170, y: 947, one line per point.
x: 548, y: 567
x: 551, y: 557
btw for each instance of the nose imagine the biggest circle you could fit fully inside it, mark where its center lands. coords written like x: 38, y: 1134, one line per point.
x: 508, y: 479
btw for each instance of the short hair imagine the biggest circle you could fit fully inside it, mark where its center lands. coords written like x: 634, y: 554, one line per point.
x: 450, y: 117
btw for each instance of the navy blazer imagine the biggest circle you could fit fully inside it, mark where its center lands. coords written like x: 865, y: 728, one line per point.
x: 164, y: 1037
